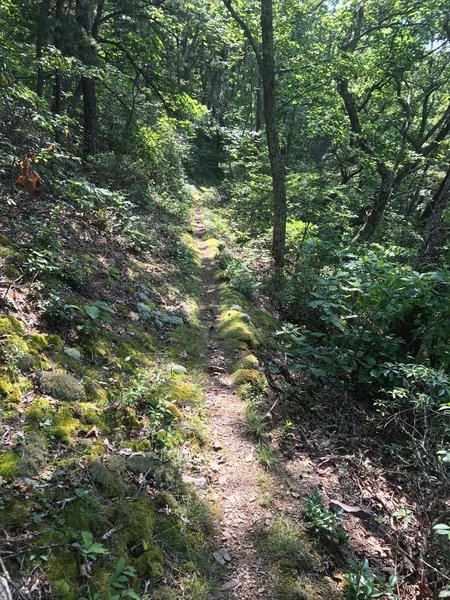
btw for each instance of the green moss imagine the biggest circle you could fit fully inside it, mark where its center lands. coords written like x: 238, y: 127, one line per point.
x: 62, y: 572
x: 11, y: 272
x: 90, y: 413
x: 37, y: 341
x: 34, y: 454
x: 62, y: 386
x: 95, y: 393
x: 9, y: 465
x: 128, y: 417
x: 135, y: 538
x: 11, y: 326
x: 213, y: 246
x: 285, y: 540
x: 165, y: 593
x: 316, y: 589
x: 65, y: 425
x: 5, y: 251
x: 39, y: 410
x: 9, y: 391
x: 15, y: 513
x: 188, y: 345
x: 181, y: 390
x: 286, y: 584
x: 105, y: 479
x: 54, y: 341
x: 250, y: 376
x: 85, y: 514
x: 4, y: 239
x: 236, y: 331
x: 248, y: 361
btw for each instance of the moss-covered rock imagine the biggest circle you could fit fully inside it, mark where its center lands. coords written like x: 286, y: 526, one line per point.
x: 33, y: 455
x: 37, y: 341
x: 90, y: 413
x: 9, y: 465
x: 39, y: 410
x: 248, y: 361
x: 62, y: 571
x: 250, y: 376
x: 65, y: 425
x: 11, y: 326
x: 236, y: 331
x: 62, y: 387
x: 5, y: 251
x: 165, y: 593
x: 10, y: 392
x: 181, y: 390
x: 108, y: 481
x: 187, y: 344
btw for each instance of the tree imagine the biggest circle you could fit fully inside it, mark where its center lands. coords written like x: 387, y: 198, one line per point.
x: 265, y: 56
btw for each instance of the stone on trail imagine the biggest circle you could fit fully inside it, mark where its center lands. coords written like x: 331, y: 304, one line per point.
x: 229, y: 585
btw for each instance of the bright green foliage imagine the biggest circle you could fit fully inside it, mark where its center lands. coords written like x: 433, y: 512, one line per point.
x: 362, y: 584
x: 324, y: 523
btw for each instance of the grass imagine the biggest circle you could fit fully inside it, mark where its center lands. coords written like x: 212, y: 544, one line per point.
x: 253, y: 422
x: 267, y: 457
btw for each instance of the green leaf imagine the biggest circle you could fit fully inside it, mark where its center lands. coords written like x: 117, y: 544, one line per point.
x: 92, y: 310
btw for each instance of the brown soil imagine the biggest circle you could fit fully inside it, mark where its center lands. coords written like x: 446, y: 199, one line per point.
x: 234, y: 466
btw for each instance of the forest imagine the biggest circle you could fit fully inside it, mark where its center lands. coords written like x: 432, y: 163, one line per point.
x: 224, y: 299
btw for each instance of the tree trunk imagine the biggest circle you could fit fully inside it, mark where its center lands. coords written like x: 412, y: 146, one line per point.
x: 380, y: 201
x: 436, y: 229
x: 41, y: 38
x: 265, y: 55
x: 88, y: 55
x: 272, y: 135
x: 57, y: 84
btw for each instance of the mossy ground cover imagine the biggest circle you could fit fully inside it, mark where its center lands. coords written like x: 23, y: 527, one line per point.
x: 97, y: 403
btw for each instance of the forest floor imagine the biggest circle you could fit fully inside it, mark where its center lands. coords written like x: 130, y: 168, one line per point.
x: 262, y: 473
x: 184, y: 370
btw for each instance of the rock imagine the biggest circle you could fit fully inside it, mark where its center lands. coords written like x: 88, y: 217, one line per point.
x: 141, y: 464
x: 159, y: 319
x: 217, y: 446
x: 199, y: 482
x: 62, y: 387
x: 176, y: 369
x: 73, y: 353
x: 229, y: 585
x: 222, y: 556
x: 215, y: 369
x: 356, y: 511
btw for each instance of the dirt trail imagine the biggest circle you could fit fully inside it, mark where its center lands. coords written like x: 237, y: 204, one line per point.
x: 235, y: 469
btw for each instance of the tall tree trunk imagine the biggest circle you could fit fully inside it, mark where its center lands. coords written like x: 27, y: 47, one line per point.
x: 436, y: 229
x: 88, y: 55
x: 265, y: 55
x: 379, y: 204
x: 272, y: 135
x: 41, y: 38
x: 57, y: 84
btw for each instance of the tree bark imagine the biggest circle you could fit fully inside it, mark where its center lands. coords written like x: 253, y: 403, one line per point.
x: 265, y: 55
x: 379, y: 204
x: 41, y: 38
x: 88, y: 55
x: 272, y: 135
x: 436, y: 229
x: 57, y: 84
